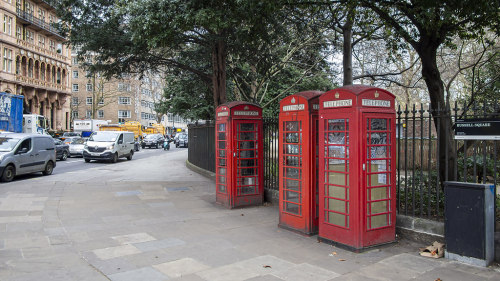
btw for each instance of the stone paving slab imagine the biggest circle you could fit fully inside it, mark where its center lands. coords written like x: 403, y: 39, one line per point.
x: 181, y: 267
x: 145, y: 273
x: 115, y: 252
x: 134, y: 238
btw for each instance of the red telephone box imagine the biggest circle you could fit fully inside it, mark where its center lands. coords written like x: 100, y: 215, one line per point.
x: 298, y: 142
x: 357, y: 167
x: 239, y: 151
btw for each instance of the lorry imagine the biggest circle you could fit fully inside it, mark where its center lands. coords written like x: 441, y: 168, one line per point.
x: 13, y: 120
x: 133, y: 126
x: 35, y: 124
x: 11, y: 112
x: 86, y: 126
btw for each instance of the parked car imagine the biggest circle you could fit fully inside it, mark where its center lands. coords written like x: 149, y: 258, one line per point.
x: 26, y: 153
x: 182, y: 141
x: 153, y: 140
x: 62, y: 150
x: 76, y: 147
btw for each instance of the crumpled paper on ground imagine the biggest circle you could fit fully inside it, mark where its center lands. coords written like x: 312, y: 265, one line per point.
x: 436, y: 250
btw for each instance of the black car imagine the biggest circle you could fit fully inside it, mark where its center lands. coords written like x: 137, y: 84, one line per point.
x: 62, y: 150
x: 182, y: 141
x: 153, y: 140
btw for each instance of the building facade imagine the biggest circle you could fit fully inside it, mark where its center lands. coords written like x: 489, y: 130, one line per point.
x: 129, y: 98
x: 34, y: 61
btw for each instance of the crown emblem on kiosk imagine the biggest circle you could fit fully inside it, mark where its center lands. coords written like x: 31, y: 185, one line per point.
x: 245, y: 108
x: 293, y: 100
x: 337, y: 95
x: 376, y: 94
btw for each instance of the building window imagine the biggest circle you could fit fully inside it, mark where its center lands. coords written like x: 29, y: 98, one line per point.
x: 88, y: 114
x: 100, y: 114
x: 41, y: 41
x: 41, y: 14
x: 124, y: 87
x: 101, y: 101
x: 74, y: 101
x: 123, y: 113
x: 52, y: 45
x: 75, y: 73
x: 75, y: 87
x: 75, y: 61
x: 89, y: 87
x: 19, y: 32
x: 74, y: 114
x: 88, y: 101
x: 124, y: 100
x: 30, y: 36
x: 7, y: 60
x: 7, y: 25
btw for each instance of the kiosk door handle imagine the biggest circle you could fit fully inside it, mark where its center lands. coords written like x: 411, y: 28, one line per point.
x: 234, y: 154
x: 364, y: 167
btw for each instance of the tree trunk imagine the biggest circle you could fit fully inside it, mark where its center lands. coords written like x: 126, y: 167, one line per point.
x: 440, y: 113
x: 219, y: 72
x: 347, y: 48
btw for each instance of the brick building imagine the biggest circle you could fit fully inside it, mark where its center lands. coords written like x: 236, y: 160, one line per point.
x: 130, y: 98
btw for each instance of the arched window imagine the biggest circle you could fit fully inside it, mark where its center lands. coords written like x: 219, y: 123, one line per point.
x: 30, y: 68
x: 42, y: 71
x: 58, y: 76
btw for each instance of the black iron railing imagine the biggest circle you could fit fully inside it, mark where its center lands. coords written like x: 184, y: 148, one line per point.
x: 201, y: 144
x: 38, y: 22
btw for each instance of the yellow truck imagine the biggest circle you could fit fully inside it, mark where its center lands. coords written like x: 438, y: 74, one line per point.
x: 133, y: 126
x: 155, y: 129
x: 111, y: 127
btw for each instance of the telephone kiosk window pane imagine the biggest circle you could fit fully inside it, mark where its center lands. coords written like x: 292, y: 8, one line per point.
x: 247, y: 127
x: 247, y: 136
x: 293, y: 161
x: 222, y: 171
x: 222, y: 145
x: 246, y: 163
x: 292, y: 173
x: 338, y: 125
x: 292, y: 184
x: 291, y: 126
x: 246, y: 145
x: 247, y: 153
x: 222, y: 136
x: 222, y: 127
x: 222, y: 188
x: 247, y: 172
x: 293, y: 149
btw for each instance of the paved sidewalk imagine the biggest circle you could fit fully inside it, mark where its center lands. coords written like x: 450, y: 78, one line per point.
x: 154, y: 219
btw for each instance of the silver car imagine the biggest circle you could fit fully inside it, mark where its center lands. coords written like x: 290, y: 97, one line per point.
x: 26, y: 153
x: 76, y: 147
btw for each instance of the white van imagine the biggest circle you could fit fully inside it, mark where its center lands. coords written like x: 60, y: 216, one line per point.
x: 109, y: 145
x: 26, y: 153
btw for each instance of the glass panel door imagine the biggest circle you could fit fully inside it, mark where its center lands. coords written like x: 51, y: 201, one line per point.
x: 337, y: 172
x: 221, y: 155
x: 292, y: 167
x: 247, y: 154
x: 378, y: 173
